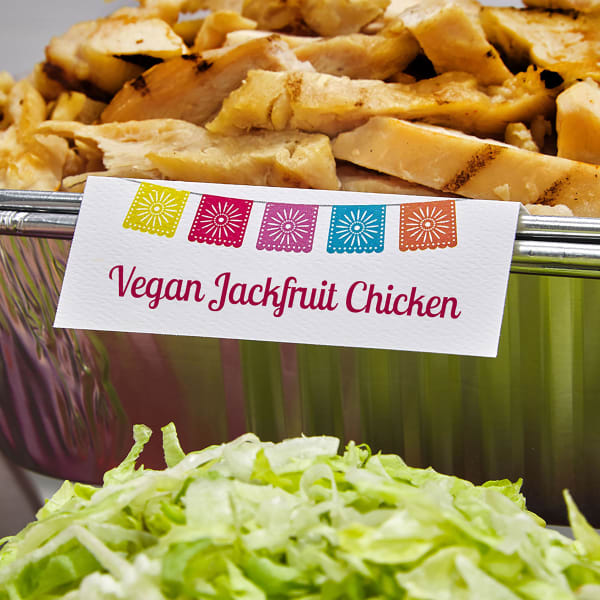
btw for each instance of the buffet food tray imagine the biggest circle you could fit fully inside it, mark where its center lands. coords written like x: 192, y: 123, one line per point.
x: 68, y: 398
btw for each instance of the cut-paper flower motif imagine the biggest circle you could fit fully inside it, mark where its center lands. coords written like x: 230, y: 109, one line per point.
x: 356, y: 229
x: 288, y: 227
x: 426, y: 225
x: 221, y: 221
x: 156, y: 209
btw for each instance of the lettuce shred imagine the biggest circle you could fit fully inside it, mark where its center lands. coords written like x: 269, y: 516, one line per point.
x: 253, y: 520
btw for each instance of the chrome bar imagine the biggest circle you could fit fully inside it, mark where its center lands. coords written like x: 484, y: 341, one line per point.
x: 580, y: 229
x: 37, y: 224
x: 556, y: 258
x: 568, y: 246
x: 53, y: 202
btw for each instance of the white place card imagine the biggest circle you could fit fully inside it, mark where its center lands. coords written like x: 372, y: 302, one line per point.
x: 290, y: 265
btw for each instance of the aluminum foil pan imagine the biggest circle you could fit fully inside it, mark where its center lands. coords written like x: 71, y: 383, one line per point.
x: 68, y: 398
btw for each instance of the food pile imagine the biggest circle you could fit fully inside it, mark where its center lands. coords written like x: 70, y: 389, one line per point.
x: 434, y: 97
x: 256, y: 520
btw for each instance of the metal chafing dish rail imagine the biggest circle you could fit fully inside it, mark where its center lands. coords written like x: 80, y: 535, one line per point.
x: 543, y: 245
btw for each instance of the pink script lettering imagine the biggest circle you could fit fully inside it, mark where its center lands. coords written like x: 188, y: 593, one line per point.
x: 155, y: 288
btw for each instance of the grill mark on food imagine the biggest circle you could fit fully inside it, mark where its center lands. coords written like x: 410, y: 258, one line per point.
x: 294, y: 86
x: 555, y: 12
x: 54, y: 71
x: 476, y: 163
x: 201, y: 64
x: 139, y: 84
x: 362, y: 96
x: 57, y: 73
x: 551, y: 193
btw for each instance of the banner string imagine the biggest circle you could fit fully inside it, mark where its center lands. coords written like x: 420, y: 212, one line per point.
x: 328, y: 205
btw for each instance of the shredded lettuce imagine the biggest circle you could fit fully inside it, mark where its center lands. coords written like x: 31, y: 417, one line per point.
x: 253, y: 521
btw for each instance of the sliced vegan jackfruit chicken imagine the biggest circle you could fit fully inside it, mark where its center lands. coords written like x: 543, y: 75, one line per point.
x: 295, y: 88
x: 173, y: 149
x: 454, y: 162
x: 324, y: 103
x: 215, y: 27
x: 565, y: 42
x: 451, y: 36
x: 192, y: 88
x: 355, y: 55
x: 586, y: 6
x: 358, y: 179
x: 29, y: 159
x: 98, y: 57
x: 361, y: 56
x: 578, y: 122
x: 325, y: 17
